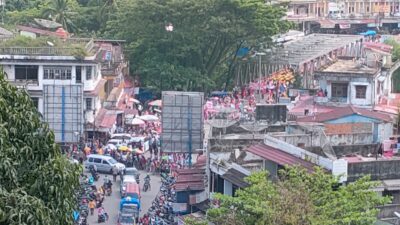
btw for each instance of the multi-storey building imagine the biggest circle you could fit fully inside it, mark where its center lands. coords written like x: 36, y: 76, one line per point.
x: 343, y: 14
x: 65, y: 83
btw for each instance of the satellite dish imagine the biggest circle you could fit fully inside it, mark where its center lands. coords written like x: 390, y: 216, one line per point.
x: 49, y: 43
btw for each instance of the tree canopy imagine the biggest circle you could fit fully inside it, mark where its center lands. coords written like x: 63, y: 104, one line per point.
x: 37, y: 183
x: 299, y: 198
x: 191, y: 44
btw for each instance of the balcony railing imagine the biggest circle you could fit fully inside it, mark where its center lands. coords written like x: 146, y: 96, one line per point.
x: 47, y: 51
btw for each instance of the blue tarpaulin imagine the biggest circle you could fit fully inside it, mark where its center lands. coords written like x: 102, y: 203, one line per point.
x: 242, y: 52
x: 369, y: 33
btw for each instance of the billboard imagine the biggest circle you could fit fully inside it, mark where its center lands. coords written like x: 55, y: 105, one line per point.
x: 182, y: 121
x: 63, y: 111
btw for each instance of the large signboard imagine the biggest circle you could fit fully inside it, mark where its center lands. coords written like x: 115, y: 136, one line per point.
x: 63, y: 111
x: 182, y: 121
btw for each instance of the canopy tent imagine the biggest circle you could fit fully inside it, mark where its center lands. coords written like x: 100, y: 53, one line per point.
x: 136, y: 122
x: 149, y: 118
x: 156, y: 103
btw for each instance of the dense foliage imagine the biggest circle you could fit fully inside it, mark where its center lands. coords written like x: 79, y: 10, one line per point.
x: 37, y: 183
x: 299, y: 197
x: 198, y: 54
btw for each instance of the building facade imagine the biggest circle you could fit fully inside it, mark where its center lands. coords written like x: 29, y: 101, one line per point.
x: 67, y: 91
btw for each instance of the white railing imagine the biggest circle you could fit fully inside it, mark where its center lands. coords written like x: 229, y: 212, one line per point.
x: 36, y: 51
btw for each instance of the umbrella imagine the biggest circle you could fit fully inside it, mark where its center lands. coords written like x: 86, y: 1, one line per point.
x: 138, y: 151
x: 155, y: 103
x: 124, y: 148
x: 149, y: 118
x: 134, y: 100
x: 137, y: 121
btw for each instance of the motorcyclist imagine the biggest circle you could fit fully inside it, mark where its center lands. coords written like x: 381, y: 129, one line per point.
x: 147, y: 182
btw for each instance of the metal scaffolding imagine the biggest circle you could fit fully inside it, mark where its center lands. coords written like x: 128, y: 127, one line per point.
x: 296, y: 53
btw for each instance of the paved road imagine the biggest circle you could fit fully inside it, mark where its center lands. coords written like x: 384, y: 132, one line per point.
x: 111, y: 203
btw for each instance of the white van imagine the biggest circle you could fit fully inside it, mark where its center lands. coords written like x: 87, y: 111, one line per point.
x: 116, y: 142
x: 103, y: 163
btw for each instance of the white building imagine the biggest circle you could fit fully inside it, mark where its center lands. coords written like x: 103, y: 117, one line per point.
x: 66, y: 90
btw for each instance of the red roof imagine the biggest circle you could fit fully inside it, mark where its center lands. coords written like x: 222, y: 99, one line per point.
x: 341, y: 112
x: 280, y: 157
x: 105, y: 118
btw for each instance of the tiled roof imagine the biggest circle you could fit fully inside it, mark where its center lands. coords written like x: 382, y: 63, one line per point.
x: 279, y: 157
x: 340, y: 112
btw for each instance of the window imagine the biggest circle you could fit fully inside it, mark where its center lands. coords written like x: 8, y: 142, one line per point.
x: 339, y: 90
x: 88, y: 73
x: 90, y: 159
x: 35, y: 101
x: 105, y: 162
x: 57, y: 73
x: 26, y: 72
x: 361, y: 91
x: 78, y: 74
x: 89, y: 104
x: 96, y: 160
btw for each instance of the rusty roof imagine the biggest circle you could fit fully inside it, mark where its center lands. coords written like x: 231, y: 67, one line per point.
x: 190, y: 179
x: 279, y: 157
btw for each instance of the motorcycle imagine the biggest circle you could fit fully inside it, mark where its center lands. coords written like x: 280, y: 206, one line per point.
x: 94, y: 173
x: 146, y: 185
x: 102, y: 218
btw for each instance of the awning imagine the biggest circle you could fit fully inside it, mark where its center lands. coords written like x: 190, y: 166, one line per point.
x: 392, y: 185
x: 344, y: 26
x: 279, y: 157
x: 327, y: 24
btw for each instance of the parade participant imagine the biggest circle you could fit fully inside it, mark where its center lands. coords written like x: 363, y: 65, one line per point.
x: 115, y: 172
x: 92, y: 205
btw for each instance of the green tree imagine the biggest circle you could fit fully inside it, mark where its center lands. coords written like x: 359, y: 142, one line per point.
x: 61, y: 12
x: 396, y: 48
x: 37, y: 183
x: 299, y: 198
x: 200, y: 52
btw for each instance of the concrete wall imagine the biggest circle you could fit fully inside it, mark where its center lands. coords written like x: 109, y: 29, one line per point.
x: 385, y: 130
x: 360, y: 149
x: 326, y: 84
x: 378, y: 170
x: 228, y: 145
x: 349, y: 139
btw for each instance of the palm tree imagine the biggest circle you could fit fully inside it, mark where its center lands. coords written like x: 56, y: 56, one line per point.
x: 59, y: 11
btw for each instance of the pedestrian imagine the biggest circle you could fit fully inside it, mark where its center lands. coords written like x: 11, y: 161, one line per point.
x: 92, y: 205
x: 115, y: 173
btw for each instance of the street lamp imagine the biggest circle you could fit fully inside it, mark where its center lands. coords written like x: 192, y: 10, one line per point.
x: 259, y: 54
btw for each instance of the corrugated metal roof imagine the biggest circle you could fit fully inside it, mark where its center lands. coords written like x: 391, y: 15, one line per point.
x: 279, y: 157
x: 235, y: 177
x: 190, y: 179
x: 340, y: 112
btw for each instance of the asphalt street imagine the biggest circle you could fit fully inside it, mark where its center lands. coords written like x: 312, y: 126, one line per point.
x: 111, y: 203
